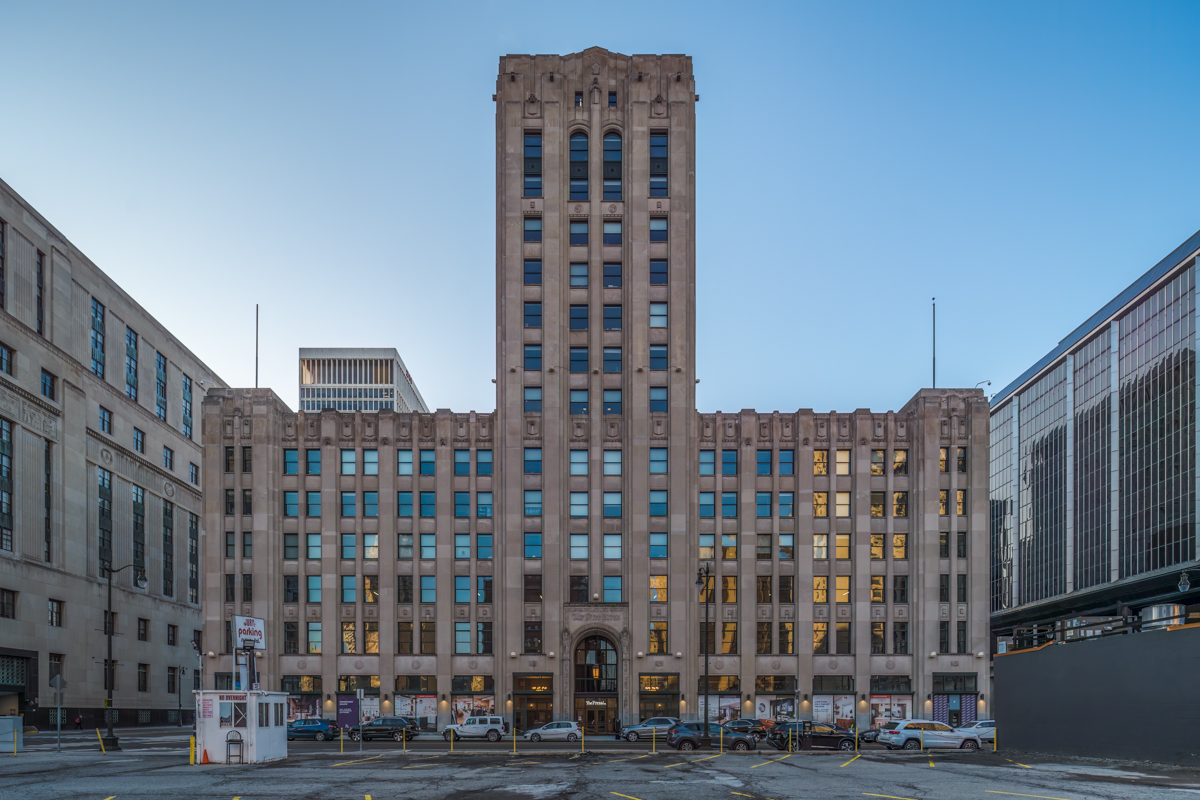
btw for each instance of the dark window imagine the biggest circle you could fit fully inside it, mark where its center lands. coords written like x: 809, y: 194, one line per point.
x: 312, y: 462
x: 533, y: 588
x: 533, y: 273
x: 943, y: 637
x: 658, y: 164
x: 658, y: 356
x: 786, y: 589
x: 579, y: 99
x: 533, y: 163
x: 48, y: 389
x: 291, y: 462
x: 533, y: 460
x: 658, y: 399
x: 962, y: 588
x: 612, y: 318
x: 533, y: 229
x: 462, y: 462
x: 658, y: 272
x: 961, y: 635
x: 533, y: 315
x: 579, y: 276
x: 612, y: 163
x: 533, y: 399
x: 612, y: 233
x: 900, y: 589
x: 658, y: 229
x: 139, y: 440
x: 578, y: 232
x: 578, y: 162
x: 533, y: 637
x: 98, y: 333
x: 787, y: 462
x: 612, y: 276
x: 291, y: 588
x: 943, y: 588
x: 729, y: 462
x: 578, y: 401
x: 579, y: 318
x: 612, y: 99
x: 612, y: 359
x: 612, y: 401
x: 763, y: 462
x: 579, y: 589
x: 533, y: 357
x: 579, y: 359
x: 900, y: 638
x: 6, y: 359
x: 160, y: 386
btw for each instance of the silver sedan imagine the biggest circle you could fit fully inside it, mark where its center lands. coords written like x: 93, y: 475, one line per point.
x: 554, y: 731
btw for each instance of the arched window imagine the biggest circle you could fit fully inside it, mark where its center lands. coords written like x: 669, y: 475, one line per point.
x: 579, y: 166
x: 612, y: 166
x: 595, y: 666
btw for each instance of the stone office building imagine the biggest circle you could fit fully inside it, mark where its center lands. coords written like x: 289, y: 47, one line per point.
x: 99, y: 459
x: 541, y: 561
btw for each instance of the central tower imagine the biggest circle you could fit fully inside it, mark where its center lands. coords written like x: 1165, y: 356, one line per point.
x: 595, y: 374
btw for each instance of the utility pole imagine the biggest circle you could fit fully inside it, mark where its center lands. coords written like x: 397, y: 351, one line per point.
x: 110, y: 741
x: 703, y: 575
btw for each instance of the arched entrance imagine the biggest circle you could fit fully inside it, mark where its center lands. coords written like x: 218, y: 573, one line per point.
x: 596, y: 702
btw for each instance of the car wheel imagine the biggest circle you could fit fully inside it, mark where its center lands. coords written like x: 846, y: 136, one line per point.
x: 353, y: 736
x: 686, y: 745
x: 320, y: 737
x: 398, y: 736
x: 291, y: 738
x: 493, y: 736
x: 845, y: 744
x: 912, y: 744
x: 535, y: 737
x: 572, y: 737
x: 631, y: 736
x: 741, y: 745
x: 970, y: 744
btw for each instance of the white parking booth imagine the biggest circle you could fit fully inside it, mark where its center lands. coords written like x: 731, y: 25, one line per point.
x: 240, y: 727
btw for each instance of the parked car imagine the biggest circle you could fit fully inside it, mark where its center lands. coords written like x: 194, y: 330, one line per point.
x: 655, y: 727
x: 490, y: 728
x: 319, y: 729
x: 754, y: 727
x: 869, y: 735
x: 554, y: 731
x: 985, y: 729
x: 397, y: 728
x: 915, y: 734
x: 687, y: 736
x: 818, y: 734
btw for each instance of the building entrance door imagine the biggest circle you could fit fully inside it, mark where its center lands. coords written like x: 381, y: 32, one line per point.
x: 533, y: 713
x: 596, y: 700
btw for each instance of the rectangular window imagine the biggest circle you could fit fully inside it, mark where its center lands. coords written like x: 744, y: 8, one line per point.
x: 842, y: 504
x: 943, y: 502
x: 612, y: 359
x: 578, y: 362
x: 877, y: 504
x: 900, y: 545
x: 820, y: 462
x: 533, y: 315
x: 763, y: 594
x: 843, y: 638
x: 900, y: 638
x: 658, y: 272
x: 961, y: 631
x: 787, y: 549
x: 349, y: 589
x: 370, y: 504
x: 707, y: 462
x: 658, y: 502
x: 658, y: 460
x: 291, y: 504
x: 820, y: 589
x: 786, y: 462
x: 658, y: 229
x: 462, y: 637
x: 612, y: 276
x: 349, y: 545
x: 579, y: 546
x: 762, y: 638
x: 961, y: 588
x: 960, y: 502
x: 578, y: 233
x: 821, y: 504
x: 763, y: 462
x: 729, y: 546
x: 483, y: 505
x: 55, y: 610
x: 139, y: 440
x: 312, y: 546
x: 658, y: 164
x: 877, y: 643
x: 429, y: 638
x: 612, y: 233
x: 787, y: 644
x: 533, y: 357
x: 900, y: 589
x: 658, y: 638
x: 612, y: 462
x: 843, y: 546
x: 462, y: 546
x: 729, y: 462
x: 612, y: 546
x: 533, y: 272
x: 105, y: 414
x: 612, y: 589
x: 462, y: 505
x: 658, y: 545
x: 462, y: 462
x: 533, y: 460
x: 404, y: 588
x: 658, y: 356
x: 428, y: 588
x: 658, y: 315
x: 462, y: 584
x: 483, y: 589
x: 612, y: 401
x: 404, y: 638
x: 131, y: 351
x: 579, y: 462
x: 533, y: 545
x: 404, y: 462
x: 533, y: 637
x: 247, y: 459
x: 291, y: 462
x: 312, y: 504
x: 98, y: 332
x: 763, y: 504
x: 349, y: 462
x: 877, y: 589
x: 533, y: 229
x: 483, y: 462
x: 247, y: 502
x: 533, y: 588
x: 533, y: 164
x: 348, y: 504
x: 962, y: 460
x: 876, y: 545
x: 899, y: 504
x: 312, y: 462
x: 291, y: 591
x: 533, y: 502
x: 160, y: 386
x: 943, y: 588
x: 658, y: 399
x: 314, y: 637
x: 943, y: 637
x: 483, y: 638
x: 428, y: 462
x: 370, y: 462
x: 428, y: 504
x: 612, y: 318
x: 943, y: 459
x: 962, y: 544
x: 841, y: 586
x: 843, y: 462
x: 533, y: 399
x: 578, y: 276
x: 194, y: 474
x: 707, y: 505
x: 579, y: 589
x: 729, y: 638
x: 578, y: 503
x: 658, y: 588
x: 6, y: 359
x: 877, y: 461
x: 483, y: 545
x: 787, y: 585
x: 612, y: 504
x: 900, y: 462
x: 578, y: 318
x: 578, y: 401
x: 785, y: 505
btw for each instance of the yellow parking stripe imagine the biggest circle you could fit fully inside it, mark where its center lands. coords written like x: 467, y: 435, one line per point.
x: 851, y: 761
x: 631, y: 758
x: 1018, y: 794
x: 626, y: 796
x: 1018, y: 763
x: 889, y: 796
x: 417, y: 766
x: 693, y: 761
x: 773, y: 760
x: 344, y: 763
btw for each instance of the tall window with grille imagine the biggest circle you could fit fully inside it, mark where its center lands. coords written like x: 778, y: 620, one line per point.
x: 47, y: 467
x: 193, y: 558
x: 104, y: 514
x: 41, y: 284
x: 97, y: 338
x: 533, y: 163
x: 658, y: 164
x: 160, y: 386
x: 139, y: 527
x: 579, y: 166
x: 6, y: 485
x: 168, y: 549
x: 131, y: 363
x: 612, y: 166
x: 187, y: 406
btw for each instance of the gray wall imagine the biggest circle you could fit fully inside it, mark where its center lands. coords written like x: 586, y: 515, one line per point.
x: 1134, y: 696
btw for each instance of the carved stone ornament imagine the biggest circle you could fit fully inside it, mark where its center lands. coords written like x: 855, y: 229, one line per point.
x: 890, y: 664
x: 833, y: 663
x: 532, y: 98
x: 416, y: 665
x: 718, y: 664
x: 358, y: 665
x: 169, y: 489
x: 595, y: 68
x: 106, y: 456
x: 301, y: 664
x: 472, y: 665
x: 775, y: 664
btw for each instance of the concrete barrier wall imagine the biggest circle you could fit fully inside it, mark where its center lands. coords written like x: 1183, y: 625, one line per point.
x: 1129, y: 697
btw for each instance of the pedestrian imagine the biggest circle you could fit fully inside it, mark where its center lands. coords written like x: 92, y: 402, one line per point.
x: 78, y: 723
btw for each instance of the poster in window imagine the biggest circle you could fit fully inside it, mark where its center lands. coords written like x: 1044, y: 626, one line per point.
x: 772, y: 708
x: 822, y: 708
x: 473, y: 705
x: 421, y: 706
x: 303, y: 706
x: 843, y: 710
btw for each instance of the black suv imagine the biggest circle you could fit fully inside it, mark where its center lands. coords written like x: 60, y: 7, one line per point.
x: 753, y: 727
x: 807, y: 734
x: 396, y: 728
x: 686, y: 736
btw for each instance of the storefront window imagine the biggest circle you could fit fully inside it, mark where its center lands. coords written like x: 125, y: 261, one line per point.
x: 659, y: 696
x: 775, y: 697
x: 416, y: 696
x: 533, y: 701
x: 473, y: 696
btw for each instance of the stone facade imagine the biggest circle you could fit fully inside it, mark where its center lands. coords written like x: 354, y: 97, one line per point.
x: 588, y: 501
x: 67, y: 427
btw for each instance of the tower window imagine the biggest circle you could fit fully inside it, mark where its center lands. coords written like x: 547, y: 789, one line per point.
x: 533, y: 163
x: 612, y: 166
x: 579, y: 99
x: 658, y: 164
x: 578, y: 164
x: 612, y: 99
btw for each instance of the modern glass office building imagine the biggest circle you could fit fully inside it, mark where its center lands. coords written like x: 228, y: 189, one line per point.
x: 1093, y: 462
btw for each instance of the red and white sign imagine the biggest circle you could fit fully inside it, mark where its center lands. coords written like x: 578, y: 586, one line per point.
x: 249, y: 629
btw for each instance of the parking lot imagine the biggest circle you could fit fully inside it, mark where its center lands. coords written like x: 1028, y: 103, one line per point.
x: 384, y: 771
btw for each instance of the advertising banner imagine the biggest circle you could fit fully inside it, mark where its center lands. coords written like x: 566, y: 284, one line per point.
x: 347, y: 710
x: 843, y: 710
x: 475, y: 705
x: 822, y: 708
x: 421, y: 706
x: 722, y: 708
x: 770, y: 707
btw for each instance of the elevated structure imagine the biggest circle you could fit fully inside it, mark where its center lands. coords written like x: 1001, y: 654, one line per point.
x: 356, y: 379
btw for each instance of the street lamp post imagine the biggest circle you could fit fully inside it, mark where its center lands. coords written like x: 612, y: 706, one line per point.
x: 179, y: 695
x: 110, y: 741
x: 702, y: 576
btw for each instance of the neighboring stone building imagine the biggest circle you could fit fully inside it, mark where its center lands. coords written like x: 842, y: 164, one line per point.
x: 98, y: 455
x: 356, y: 379
x: 542, y: 560
x: 1093, y: 468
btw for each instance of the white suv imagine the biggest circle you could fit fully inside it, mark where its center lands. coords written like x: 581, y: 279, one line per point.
x: 490, y: 728
x: 923, y: 734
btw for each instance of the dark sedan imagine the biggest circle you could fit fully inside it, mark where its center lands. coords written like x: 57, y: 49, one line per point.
x: 794, y: 736
x: 396, y: 728
x: 751, y: 727
x: 687, y: 736
x: 319, y: 729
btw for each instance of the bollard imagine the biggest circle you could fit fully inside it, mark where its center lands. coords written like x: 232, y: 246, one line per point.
x: 451, y: 740
x: 582, y: 736
x: 101, y: 738
x: 995, y: 739
x: 790, y: 747
x: 192, y: 751
x: 922, y: 738
x: 342, y: 738
x: 404, y: 738
x: 654, y: 740
x: 514, y: 732
x: 721, y: 740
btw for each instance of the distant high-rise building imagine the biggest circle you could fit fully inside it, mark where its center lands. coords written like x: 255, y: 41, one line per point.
x: 356, y: 379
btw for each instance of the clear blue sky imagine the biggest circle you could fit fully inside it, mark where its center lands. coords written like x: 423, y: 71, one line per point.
x: 1021, y: 161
